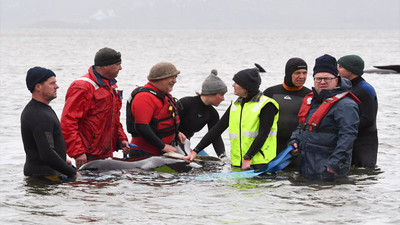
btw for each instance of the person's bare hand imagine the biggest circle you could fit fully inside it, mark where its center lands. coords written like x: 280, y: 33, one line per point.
x: 329, y: 170
x: 169, y: 148
x: 295, y: 151
x: 191, y: 156
x: 246, y: 164
x: 80, y: 160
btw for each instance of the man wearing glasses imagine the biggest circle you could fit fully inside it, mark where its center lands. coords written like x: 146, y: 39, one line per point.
x: 328, y: 124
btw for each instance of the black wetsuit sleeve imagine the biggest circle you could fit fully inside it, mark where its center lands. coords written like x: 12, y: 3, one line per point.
x: 218, y: 144
x: 368, y: 110
x: 215, y: 132
x: 267, y: 115
x: 145, y: 131
x: 43, y: 136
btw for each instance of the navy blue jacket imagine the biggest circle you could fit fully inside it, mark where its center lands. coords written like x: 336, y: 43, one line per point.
x: 365, y: 148
x: 322, y: 150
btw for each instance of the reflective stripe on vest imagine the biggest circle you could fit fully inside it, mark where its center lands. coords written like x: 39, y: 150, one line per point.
x: 322, y: 110
x: 242, y: 134
x: 251, y: 134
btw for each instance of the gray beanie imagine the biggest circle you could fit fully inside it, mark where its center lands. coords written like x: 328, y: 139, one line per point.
x: 162, y: 70
x: 213, y: 85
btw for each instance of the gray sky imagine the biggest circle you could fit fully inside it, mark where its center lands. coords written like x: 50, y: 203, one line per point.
x: 201, y: 14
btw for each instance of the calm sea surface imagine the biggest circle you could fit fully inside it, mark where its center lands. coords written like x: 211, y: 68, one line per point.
x: 140, y: 197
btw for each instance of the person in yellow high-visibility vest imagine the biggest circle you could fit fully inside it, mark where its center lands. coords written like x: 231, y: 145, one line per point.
x: 252, y: 121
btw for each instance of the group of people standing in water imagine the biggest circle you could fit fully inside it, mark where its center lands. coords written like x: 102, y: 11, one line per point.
x: 331, y: 127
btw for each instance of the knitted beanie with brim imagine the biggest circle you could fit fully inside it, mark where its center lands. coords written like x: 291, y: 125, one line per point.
x: 162, y: 70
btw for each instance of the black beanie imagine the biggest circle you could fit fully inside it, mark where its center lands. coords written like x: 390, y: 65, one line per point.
x: 292, y: 65
x: 249, y: 79
x: 37, y: 75
x: 107, y: 56
x: 326, y: 63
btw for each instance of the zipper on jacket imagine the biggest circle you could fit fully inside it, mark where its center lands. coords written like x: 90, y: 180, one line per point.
x: 112, y: 118
x: 240, y: 134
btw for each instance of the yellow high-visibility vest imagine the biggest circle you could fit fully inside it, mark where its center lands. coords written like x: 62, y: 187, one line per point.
x: 244, y: 124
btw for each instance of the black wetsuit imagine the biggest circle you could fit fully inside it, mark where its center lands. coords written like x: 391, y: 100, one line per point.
x: 195, y: 115
x: 289, y: 106
x: 43, y: 142
x: 365, y: 148
x: 267, y: 115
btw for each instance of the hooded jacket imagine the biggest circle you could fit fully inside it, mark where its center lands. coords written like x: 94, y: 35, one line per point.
x: 332, y: 147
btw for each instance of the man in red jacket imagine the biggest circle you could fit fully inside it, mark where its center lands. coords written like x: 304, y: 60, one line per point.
x: 90, y: 120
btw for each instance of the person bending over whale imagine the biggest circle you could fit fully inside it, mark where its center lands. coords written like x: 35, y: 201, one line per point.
x: 152, y: 115
x: 41, y: 130
x: 197, y: 111
x: 252, y: 121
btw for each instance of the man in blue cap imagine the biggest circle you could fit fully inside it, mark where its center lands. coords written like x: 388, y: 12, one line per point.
x: 41, y: 130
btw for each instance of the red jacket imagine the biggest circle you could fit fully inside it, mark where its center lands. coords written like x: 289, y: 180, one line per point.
x: 146, y: 109
x: 90, y: 120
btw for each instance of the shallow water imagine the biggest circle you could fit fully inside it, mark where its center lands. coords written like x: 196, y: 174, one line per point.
x: 145, y: 197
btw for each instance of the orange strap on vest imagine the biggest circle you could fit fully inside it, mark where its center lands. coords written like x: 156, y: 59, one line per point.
x: 322, y: 110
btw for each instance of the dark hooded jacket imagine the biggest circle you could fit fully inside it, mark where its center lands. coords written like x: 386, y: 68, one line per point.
x: 322, y: 150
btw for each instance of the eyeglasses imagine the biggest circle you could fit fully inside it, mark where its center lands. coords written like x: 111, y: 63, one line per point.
x: 326, y: 79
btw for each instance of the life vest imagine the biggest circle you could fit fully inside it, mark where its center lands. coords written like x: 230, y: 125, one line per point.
x: 164, y: 124
x: 323, y: 109
x: 244, y: 126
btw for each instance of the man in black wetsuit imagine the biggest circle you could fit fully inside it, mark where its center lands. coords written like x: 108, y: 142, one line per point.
x: 198, y: 111
x: 41, y: 130
x: 289, y: 96
x: 365, y: 147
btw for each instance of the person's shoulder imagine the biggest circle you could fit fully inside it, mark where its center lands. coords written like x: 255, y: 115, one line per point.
x: 187, y: 99
x: 272, y: 89
x: 190, y: 101
x: 367, y: 86
x: 146, y: 98
x: 144, y: 95
x: 37, y: 112
x: 83, y: 83
x: 347, y: 101
x: 306, y: 89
